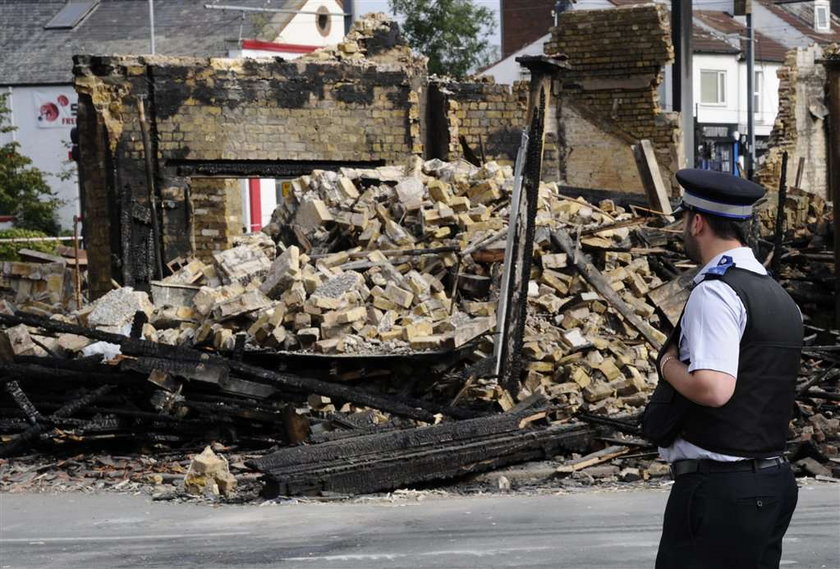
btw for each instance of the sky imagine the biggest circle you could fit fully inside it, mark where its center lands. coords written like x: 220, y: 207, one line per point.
x: 365, y: 6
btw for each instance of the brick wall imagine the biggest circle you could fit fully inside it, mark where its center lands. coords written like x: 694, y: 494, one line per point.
x: 221, y: 118
x: 609, y: 96
x: 217, y: 214
x: 799, y: 129
x: 491, y: 117
x: 229, y: 118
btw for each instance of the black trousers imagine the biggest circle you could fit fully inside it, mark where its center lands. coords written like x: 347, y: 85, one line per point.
x: 728, y: 520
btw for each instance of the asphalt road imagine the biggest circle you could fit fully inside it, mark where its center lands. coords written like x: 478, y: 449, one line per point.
x: 595, y: 529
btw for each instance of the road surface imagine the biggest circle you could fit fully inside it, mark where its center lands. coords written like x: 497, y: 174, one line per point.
x: 587, y: 530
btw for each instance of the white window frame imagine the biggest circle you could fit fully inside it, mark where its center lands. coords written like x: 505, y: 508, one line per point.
x: 822, y: 17
x: 720, y: 82
x: 758, y: 99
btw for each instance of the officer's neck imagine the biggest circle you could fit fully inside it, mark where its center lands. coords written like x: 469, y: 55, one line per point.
x: 715, y: 247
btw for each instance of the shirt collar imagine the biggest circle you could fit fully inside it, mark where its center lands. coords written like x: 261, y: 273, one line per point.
x: 742, y: 257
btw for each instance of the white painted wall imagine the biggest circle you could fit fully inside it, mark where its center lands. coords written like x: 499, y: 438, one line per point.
x: 303, y: 29
x: 769, y: 96
x: 45, y: 141
x: 713, y: 113
x: 507, y: 70
x: 735, y: 109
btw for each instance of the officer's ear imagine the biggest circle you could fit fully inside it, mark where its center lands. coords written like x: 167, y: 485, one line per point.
x: 694, y: 223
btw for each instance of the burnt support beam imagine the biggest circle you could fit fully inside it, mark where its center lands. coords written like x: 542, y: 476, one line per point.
x: 832, y: 65
x: 263, y: 168
x: 544, y: 70
x: 405, y: 407
x: 394, y: 459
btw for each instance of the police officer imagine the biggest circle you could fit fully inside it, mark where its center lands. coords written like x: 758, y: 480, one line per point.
x: 730, y: 369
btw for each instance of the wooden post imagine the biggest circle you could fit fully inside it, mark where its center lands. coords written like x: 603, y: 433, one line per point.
x: 832, y: 65
x: 77, y: 279
x: 520, y: 250
x: 778, y: 237
x: 657, y: 194
x: 150, y: 183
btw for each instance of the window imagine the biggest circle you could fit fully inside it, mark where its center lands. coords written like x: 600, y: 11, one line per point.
x: 70, y: 15
x: 821, y: 17
x: 758, y: 86
x: 713, y: 87
x: 323, y: 21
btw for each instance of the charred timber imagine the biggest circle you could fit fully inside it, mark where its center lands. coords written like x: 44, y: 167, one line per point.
x: 395, y: 459
x: 413, y: 409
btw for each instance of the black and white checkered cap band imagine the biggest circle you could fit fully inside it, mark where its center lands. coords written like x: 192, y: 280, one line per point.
x: 717, y: 208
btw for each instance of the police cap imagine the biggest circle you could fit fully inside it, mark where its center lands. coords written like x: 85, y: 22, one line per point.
x: 717, y: 193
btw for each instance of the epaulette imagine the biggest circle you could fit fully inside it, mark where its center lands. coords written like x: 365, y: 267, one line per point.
x: 720, y: 269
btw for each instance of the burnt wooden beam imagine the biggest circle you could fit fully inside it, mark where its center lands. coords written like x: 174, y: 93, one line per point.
x: 22, y: 401
x: 520, y: 245
x: 264, y: 168
x: 395, y: 459
x: 66, y: 411
x: 412, y: 408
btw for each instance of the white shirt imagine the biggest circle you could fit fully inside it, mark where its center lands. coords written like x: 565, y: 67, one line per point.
x: 712, y: 327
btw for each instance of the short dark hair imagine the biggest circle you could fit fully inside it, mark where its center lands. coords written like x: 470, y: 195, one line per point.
x: 726, y: 228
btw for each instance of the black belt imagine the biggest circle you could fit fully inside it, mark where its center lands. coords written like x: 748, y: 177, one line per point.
x: 704, y: 466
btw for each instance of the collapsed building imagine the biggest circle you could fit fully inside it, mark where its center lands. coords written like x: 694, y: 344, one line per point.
x: 389, y: 252
x: 366, y: 103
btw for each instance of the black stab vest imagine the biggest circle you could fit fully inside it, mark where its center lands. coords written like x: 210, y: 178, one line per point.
x: 754, y: 422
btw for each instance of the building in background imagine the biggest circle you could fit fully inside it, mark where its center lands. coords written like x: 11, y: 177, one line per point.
x: 719, y: 63
x: 40, y: 37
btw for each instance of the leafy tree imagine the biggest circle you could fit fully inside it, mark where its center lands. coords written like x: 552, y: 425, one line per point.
x: 451, y: 33
x: 9, y: 251
x: 23, y: 191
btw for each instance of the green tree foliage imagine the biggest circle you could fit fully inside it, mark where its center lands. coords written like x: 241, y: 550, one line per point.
x: 9, y: 250
x: 23, y: 191
x: 451, y: 33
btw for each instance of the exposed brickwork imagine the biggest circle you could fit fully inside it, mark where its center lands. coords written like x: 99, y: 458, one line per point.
x: 217, y: 214
x: 215, y: 111
x: 491, y: 117
x: 222, y: 118
x: 799, y: 129
x: 294, y: 111
x: 609, y: 96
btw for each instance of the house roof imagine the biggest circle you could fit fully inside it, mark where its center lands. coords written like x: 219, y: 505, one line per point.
x: 722, y: 24
x: 718, y: 32
x: 705, y: 41
x: 800, y: 16
x: 30, y: 54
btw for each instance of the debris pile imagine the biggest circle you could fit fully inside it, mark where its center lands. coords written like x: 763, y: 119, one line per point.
x: 314, y: 332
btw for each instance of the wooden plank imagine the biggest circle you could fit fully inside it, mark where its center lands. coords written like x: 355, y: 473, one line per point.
x: 655, y: 189
x: 40, y: 256
x: 592, y: 459
x: 672, y: 296
x: 594, y: 277
x: 393, y: 459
